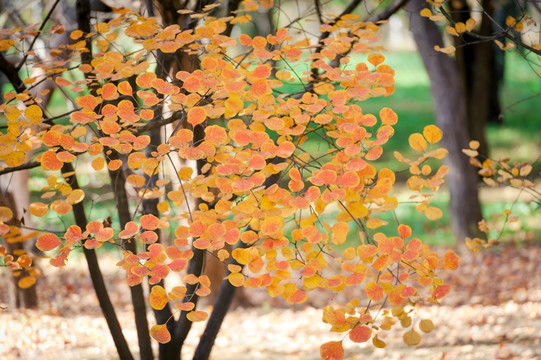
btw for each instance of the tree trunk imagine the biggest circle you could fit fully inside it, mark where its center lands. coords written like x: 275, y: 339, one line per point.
x: 451, y: 116
x: 15, y: 200
x: 476, y: 63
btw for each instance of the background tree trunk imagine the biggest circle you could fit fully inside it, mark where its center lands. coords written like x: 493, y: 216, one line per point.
x: 14, y: 195
x: 451, y: 116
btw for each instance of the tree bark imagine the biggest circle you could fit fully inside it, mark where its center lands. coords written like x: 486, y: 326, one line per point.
x: 476, y: 63
x: 451, y: 116
x: 96, y: 276
x: 19, y: 298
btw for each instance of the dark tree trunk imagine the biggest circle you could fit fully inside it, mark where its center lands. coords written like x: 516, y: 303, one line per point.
x: 476, y: 63
x: 451, y: 116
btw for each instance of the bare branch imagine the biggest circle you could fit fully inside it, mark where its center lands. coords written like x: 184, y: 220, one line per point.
x: 37, y: 36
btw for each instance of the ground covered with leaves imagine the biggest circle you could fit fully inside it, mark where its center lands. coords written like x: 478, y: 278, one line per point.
x: 493, y: 312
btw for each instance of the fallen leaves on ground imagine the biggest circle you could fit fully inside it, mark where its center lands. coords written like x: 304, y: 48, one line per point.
x: 493, y: 312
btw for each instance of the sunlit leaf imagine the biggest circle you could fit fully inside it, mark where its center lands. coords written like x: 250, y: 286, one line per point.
x: 432, y: 134
x: 160, y: 333
x: 360, y: 333
x: 374, y: 291
x: 195, y: 316
x: 417, y: 142
x: 48, y: 242
x: 332, y: 350
x: 158, y: 297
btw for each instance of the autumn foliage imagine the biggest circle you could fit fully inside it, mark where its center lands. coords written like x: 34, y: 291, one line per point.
x: 289, y: 178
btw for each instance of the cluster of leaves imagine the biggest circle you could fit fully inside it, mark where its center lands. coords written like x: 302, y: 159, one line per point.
x: 234, y: 114
x: 439, y: 12
x: 500, y: 174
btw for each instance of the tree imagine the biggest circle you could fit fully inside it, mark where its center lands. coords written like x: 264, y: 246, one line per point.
x: 465, y: 87
x: 247, y: 115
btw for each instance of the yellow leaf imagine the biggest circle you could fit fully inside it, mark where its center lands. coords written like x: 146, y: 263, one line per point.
x: 433, y: 213
x: 195, y: 316
x: 470, y: 24
x: 76, y: 34
x: 437, y: 17
x: 236, y: 279
x: 426, y: 12
x: 474, y: 144
x: 26, y: 282
x: 426, y: 325
x: 39, y: 209
x: 525, y: 170
x: 411, y: 338
x: 470, y: 153
x: 446, y: 50
x: 432, y: 134
x: 451, y: 30
x: 417, y: 142
x: 5, y: 214
x: 185, y: 173
x: 34, y: 114
x: 460, y: 27
x: 158, y: 297
x: 378, y: 343
x: 76, y: 196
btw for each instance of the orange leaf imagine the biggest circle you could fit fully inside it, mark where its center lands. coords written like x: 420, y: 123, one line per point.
x: 297, y: 297
x: 196, y: 115
x: 360, y: 333
x: 158, y: 298
x: 26, y: 282
x: 145, y: 80
x: 339, y: 233
x: 149, y: 237
x: 374, y: 291
x: 49, y: 161
x: 125, y: 88
x: 441, y: 291
x: 195, y: 316
x: 388, y: 116
x: 216, y: 135
x: 160, y: 333
x: 38, y: 209
x: 450, y: 260
x: 332, y: 350
x: 374, y: 153
x: 149, y: 222
x: 108, y: 92
x: 404, y: 231
x: 271, y: 224
x: 375, y: 59
x: 192, y: 84
x: 48, y: 242
x: 87, y: 102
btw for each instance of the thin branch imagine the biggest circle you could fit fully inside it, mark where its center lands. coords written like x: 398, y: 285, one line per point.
x: 43, y: 23
x: 26, y: 166
x: 388, y: 11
